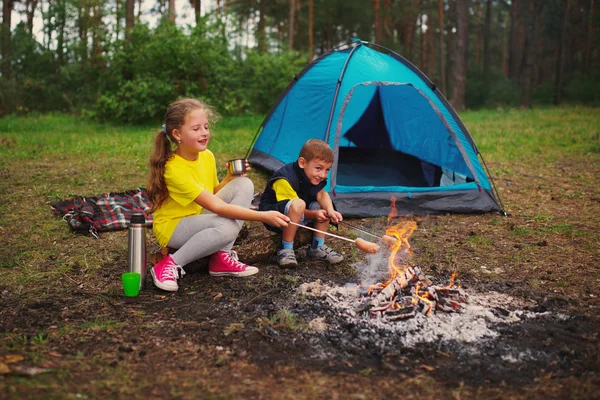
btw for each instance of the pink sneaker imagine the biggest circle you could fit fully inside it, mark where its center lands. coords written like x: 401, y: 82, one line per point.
x: 224, y: 264
x: 166, y: 273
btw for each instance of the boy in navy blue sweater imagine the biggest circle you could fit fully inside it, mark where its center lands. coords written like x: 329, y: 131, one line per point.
x: 296, y: 190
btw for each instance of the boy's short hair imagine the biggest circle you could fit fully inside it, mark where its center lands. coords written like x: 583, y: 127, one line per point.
x: 315, y: 148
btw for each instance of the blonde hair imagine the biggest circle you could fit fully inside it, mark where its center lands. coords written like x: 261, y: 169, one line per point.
x: 163, y: 146
x: 315, y: 148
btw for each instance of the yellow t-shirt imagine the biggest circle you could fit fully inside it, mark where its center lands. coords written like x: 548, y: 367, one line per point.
x: 283, y: 190
x: 185, y: 181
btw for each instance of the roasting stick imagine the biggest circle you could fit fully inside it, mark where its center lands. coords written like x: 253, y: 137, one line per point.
x: 387, y: 239
x: 363, y: 245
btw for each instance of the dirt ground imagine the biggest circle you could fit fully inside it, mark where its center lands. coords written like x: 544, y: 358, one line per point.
x: 220, y: 338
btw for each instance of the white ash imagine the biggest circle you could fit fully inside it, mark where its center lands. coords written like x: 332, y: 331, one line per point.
x: 474, y: 323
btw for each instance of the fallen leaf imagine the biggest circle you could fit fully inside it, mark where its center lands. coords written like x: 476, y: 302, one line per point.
x: 427, y: 367
x: 4, y: 368
x: 11, y: 358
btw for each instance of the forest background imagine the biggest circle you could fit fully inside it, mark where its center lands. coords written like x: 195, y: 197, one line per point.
x: 125, y: 60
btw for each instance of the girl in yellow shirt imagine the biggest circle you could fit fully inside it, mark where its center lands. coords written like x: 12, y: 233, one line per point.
x: 194, y: 212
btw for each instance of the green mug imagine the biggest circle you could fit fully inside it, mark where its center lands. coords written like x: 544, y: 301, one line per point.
x: 131, y: 283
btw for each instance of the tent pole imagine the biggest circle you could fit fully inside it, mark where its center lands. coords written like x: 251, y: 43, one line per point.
x: 337, y: 90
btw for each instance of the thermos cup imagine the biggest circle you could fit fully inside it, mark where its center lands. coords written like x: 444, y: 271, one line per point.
x: 137, y: 247
x: 237, y: 166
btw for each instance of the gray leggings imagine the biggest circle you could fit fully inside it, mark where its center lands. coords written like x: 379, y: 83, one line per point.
x: 201, y: 235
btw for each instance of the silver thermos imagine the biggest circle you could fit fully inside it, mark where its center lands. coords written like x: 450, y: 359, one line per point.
x: 137, y: 247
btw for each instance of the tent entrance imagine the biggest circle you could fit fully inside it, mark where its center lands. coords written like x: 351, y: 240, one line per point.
x: 378, y: 167
x: 369, y: 159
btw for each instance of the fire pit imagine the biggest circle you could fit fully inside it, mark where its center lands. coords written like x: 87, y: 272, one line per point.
x: 410, y: 308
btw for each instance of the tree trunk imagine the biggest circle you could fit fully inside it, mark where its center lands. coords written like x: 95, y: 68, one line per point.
x: 60, y: 36
x: 517, y: 40
x: 292, y: 5
x: 479, y: 33
x: 487, y: 32
x: 7, y: 8
x: 406, y: 27
x: 460, y: 62
x: 97, y: 30
x: 376, y: 21
x: 530, y: 52
x: 118, y: 4
x: 505, y: 53
x: 422, y: 52
x: 587, y: 59
x: 47, y: 18
x: 441, y: 47
x: 387, y: 31
x: 311, y: 40
x: 129, y: 18
x: 262, y: 28
x: 171, y: 11
x: 139, y: 14
x: 30, y: 6
x: 197, y: 4
x: 539, y: 46
x: 84, y: 24
x: 431, y: 39
x: 450, y: 42
x: 561, y: 54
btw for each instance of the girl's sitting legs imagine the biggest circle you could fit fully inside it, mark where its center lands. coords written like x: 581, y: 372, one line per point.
x: 201, y: 235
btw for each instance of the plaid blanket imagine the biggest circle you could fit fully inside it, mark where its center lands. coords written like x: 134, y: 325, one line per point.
x: 108, y: 212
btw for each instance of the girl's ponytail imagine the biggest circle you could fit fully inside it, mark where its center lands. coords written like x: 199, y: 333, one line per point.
x: 157, y: 187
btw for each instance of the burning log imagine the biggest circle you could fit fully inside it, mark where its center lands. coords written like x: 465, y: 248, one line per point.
x: 401, y: 313
x: 407, y: 294
x: 386, y: 294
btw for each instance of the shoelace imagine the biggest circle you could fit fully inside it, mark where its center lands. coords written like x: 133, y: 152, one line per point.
x: 288, y: 255
x: 233, y: 259
x: 329, y: 250
x: 172, y: 272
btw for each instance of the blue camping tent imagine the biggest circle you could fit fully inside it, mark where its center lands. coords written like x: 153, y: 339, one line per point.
x: 393, y: 134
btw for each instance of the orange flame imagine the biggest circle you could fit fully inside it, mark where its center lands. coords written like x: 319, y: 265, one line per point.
x: 394, y: 211
x: 423, y: 298
x: 401, y: 249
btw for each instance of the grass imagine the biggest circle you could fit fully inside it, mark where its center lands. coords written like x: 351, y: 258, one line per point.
x: 283, y: 319
x: 544, y: 161
x: 542, y: 135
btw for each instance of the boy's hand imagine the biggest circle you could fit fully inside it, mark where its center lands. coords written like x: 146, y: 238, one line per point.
x: 335, y: 216
x: 321, y: 216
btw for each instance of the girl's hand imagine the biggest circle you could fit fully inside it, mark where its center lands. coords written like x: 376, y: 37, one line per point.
x: 276, y: 219
x: 231, y: 176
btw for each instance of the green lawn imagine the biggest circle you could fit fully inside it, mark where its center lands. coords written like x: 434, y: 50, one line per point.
x: 545, y: 162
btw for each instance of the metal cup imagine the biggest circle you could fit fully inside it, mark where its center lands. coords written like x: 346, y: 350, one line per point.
x: 237, y: 166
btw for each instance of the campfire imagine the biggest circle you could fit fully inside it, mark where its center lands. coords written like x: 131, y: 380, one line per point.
x: 407, y: 292
x: 405, y: 309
